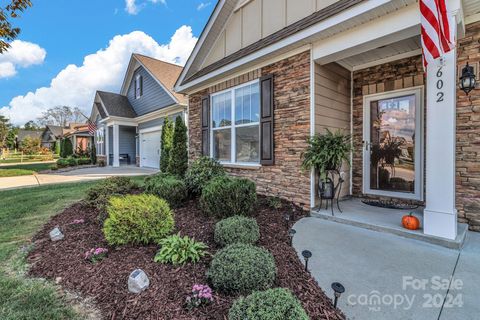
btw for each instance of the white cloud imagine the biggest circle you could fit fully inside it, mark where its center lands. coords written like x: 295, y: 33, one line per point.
x: 203, y: 5
x: 104, y: 70
x: 21, y: 54
x: 132, y: 7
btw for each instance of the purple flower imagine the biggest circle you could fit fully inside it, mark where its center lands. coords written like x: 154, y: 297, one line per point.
x: 78, y: 221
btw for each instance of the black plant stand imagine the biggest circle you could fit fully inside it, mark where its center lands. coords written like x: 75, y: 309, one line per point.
x: 334, y: 195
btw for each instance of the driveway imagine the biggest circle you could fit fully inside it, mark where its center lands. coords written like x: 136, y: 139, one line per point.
x: 72, y: 176
x: 391, y: 277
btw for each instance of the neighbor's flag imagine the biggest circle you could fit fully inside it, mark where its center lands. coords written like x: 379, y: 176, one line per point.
x: 91, y: 127
x: 437, y: 38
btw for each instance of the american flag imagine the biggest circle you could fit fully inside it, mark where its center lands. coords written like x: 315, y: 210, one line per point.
x: 437, y: 37
x: 91, y: 127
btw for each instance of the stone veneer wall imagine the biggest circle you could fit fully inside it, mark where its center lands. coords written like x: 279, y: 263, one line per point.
x: 291, y: 128
x: 391, y: 76
x: 468, y: 134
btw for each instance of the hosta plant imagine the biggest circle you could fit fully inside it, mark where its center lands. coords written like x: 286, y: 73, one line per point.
x: 96, y: 254
x: 176, y: 250
x: 201, y: 295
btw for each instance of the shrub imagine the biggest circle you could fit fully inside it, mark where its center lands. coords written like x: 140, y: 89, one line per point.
x: 97, y: 196
x: 278, y: 303
x: 242, y: 268
x: 93, y: 154
x: 166, y: 144
x: 137, y: 219
x: 178, y: 162
x: 201, y: 172
x: 167, y: 187
x: 179, y: 250
x: 83, y: 161
x: 227, y: 196
x: 67, y: 162
x: 30, y: 145
x: 236, y: 229
x: 66, y: 149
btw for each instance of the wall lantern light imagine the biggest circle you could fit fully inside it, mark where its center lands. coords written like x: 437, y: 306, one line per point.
x: 467, y: 80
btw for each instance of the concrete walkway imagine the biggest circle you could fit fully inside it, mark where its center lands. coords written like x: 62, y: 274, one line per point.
x: 391, y: 277
x: 72, y: 176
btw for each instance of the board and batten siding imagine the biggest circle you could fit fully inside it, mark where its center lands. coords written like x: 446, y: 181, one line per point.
x: 154, y: 97
x: 258, y: 19
x: 332, y: 104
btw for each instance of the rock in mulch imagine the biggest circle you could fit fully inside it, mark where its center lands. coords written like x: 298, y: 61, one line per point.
x: 56, y: 234
x: 106, y: 283
x: 138, y: 281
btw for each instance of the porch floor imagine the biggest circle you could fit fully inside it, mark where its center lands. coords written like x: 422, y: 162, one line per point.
x: 359, y: 214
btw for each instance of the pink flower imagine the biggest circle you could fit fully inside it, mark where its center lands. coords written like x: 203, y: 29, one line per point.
x: 78, y: 221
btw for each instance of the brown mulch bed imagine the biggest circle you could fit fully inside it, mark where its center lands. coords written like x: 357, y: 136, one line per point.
x: 106, y: 281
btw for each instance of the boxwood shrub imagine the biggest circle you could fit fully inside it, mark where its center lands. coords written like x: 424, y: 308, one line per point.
x: 200, y: 172
x: 137, y: 219
x: 98, y: 195
x: 278, y: 303
x: 242, y: 268
x: 167, y: 187
x: 236, y: 229
x: 228, y: 196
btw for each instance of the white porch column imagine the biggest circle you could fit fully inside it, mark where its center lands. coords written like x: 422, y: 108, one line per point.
x: 106, y: 144
x: 116, y: 149
x: 440, y: 215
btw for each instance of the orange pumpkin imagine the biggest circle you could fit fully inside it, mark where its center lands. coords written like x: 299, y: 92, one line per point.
x: 410, y: 222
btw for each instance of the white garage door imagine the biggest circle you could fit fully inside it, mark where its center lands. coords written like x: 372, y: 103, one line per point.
x: 150, y: 149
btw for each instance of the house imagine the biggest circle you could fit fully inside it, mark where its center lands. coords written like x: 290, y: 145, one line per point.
x: 50, y: 135
x: 266, y: 74
x: 129, y: 123
x: 80, y: 136
x: 22, y: 134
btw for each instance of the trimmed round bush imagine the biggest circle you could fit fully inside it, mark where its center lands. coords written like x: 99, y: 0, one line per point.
x: 167, y: 187
x: 242, y: 268
x: 272, y: 304
x: 137, y: 219
x: 236, y: 229
x: 228, y: 196
x: 98, y: 195
x: 200, y: 172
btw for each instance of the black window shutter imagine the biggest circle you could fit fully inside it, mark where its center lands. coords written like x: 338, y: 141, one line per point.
x: 267, y: 157
x: 205, y: 119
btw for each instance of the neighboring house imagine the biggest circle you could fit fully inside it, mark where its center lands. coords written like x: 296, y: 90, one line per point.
x: 22, y: 134
x: 266, y: 74
x: 79, y: 134
x: 50, y: 135
x: 129, y: 123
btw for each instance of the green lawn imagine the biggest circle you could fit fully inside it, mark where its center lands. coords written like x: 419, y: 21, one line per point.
x: 23, y: 169
x: 22, y: 213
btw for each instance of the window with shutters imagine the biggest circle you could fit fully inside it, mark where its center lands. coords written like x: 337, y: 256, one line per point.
x: 235, y: 130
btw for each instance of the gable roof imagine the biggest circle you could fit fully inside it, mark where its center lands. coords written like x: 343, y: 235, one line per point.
x: 116, y: 105
x: 224, y: 9
x: 22, y: 134
x: 57, y: 131
x: 165, y: 73
x: 101, y: 111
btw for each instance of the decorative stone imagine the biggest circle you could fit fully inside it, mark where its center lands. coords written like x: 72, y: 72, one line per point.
x: 138, y: 281
x: 56, y: 234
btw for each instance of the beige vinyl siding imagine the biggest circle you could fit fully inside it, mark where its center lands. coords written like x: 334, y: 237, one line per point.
x: 332, y: 104
x: 257, y: 19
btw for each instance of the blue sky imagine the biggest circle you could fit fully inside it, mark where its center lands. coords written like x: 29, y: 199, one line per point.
x: 68, y: 31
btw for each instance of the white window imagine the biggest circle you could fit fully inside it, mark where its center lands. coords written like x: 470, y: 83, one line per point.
x: 138, y: 86
x: 235, y: 125
x: 100, y: 138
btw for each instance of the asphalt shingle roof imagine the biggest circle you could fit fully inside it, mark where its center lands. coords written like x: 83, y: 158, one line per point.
x: 116, y: 105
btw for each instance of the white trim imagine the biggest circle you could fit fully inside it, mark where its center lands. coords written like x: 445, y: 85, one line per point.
x: 107, y: 144
x: 295, y: 38
x: 352, y: 83
x: 116, y: 145
x: 472, y: 18
x: 233, y: 126
x: 152, y: 129
x: 102, y: 104
x: 312, y: 124
x: 387, y: 60
x: 419, y: 133
x: 161, y: 113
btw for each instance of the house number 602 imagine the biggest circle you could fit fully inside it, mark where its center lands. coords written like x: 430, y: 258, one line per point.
x: 440, y: 93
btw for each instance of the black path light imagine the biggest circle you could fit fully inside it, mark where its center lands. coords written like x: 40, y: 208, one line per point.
x: 467, y: 80
x: 286, y: 217
x: 291, y: 233
x: 307, y: 255
x: 338, y: 289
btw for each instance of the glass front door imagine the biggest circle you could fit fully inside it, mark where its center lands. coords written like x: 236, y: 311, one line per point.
x: 392, y: 144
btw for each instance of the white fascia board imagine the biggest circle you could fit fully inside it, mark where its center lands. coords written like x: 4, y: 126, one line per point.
x: 121, y: 121
x: 388, y: 59
x: 397, y: 26
x: 103, y: 105
x: 161, y: 113
x: 199, y: 44
x: 337, y: 19
x: 128, y: 72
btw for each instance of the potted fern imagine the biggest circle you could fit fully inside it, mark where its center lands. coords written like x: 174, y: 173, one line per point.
x: 326, y: 153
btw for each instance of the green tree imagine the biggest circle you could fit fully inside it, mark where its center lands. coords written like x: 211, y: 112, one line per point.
x: 66, y: 149
x: 4, y: 129
x: 11, y: 140
x: 31, y: 145
x: 31, y: 125
x: 7, y: 31
x: 179, y: 155
x: 93, y: 153
x: 166, y: 144
x: 58, y: 145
